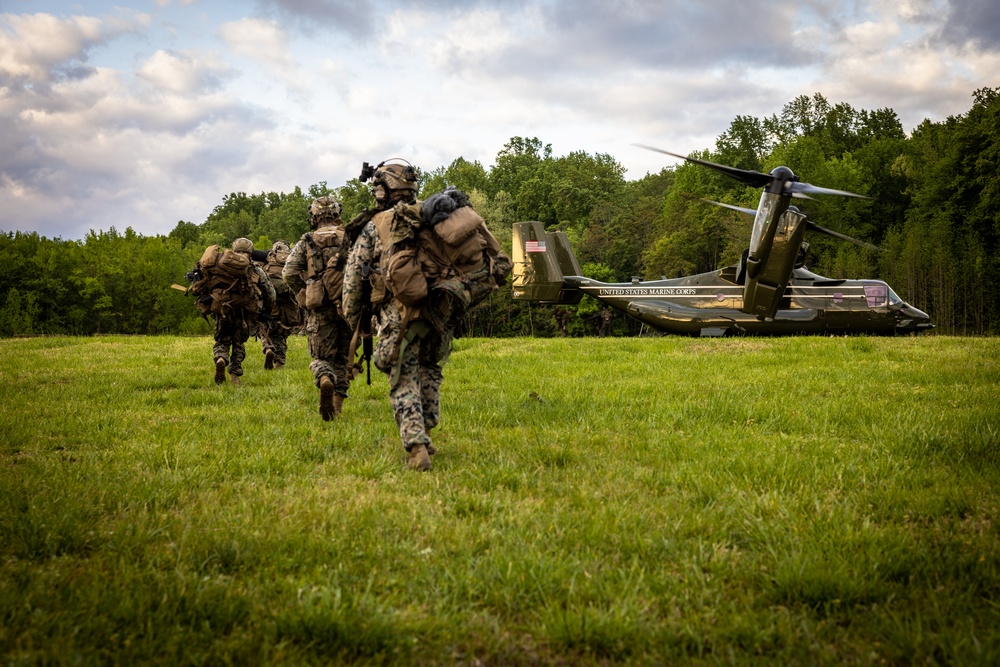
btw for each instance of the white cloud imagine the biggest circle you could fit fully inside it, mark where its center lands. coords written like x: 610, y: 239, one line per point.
x: 31, y: 46
x: 143, y: 120
x: 182, y: 73
x: 266, y: 43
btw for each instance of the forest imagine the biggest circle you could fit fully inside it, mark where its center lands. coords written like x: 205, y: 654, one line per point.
x: 934, y: 212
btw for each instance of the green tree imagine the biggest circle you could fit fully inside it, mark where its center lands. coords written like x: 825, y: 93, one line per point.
x: 17, y: 317
x: 186, y: 233
x: 354, y: 196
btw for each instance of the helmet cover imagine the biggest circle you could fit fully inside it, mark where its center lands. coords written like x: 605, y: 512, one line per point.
x: 243, y: 244
x: 325, y: 207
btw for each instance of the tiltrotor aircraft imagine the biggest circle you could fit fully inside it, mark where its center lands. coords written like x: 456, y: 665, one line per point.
x: 769, y: 292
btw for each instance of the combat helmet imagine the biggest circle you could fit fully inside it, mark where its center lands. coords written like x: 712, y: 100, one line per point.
x: 323, y: 208
x: 394, y: 180
x: 280, y: 251
x: 243, y: 244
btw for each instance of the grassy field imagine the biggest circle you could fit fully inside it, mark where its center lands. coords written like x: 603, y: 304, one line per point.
x: 643, y: 501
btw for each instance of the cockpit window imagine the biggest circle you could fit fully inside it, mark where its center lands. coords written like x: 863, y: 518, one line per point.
x: 877, y: 295
x: 893, y: 298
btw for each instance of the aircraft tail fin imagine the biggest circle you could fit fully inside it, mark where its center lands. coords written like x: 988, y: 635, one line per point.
x: 541, y: 260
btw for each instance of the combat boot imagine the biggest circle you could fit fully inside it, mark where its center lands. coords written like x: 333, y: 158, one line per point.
x: 326, y: 398
x: 419, y: 460
x: 338, y: 405
x: 220, y: 370
x: 235, y: 379
x: 269, y: 360
x: 430, y: 449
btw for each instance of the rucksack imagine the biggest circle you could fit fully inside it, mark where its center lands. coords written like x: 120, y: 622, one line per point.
x: 326, y: 258
x: 275, y: 263
x: 272, y: 267
x: 440, y: 257
x: 227, y: 282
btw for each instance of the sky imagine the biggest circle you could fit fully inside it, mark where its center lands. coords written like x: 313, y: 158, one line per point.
x: 144, y: 113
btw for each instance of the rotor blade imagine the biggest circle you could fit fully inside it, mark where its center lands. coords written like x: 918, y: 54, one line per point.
x: 816, y: 190
x: 754, y: 179
x: 739, y: 209
x: 837, y: 235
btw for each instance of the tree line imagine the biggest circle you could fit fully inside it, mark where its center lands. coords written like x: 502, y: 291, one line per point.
x: 934, y: 212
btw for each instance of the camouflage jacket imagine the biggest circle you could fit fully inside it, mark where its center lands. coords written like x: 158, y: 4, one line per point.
x: 267, y: 293
x: 367, y: 250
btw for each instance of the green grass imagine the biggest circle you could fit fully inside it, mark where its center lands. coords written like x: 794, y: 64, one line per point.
x: 644, y: 501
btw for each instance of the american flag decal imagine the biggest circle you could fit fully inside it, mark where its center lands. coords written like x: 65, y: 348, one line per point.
x: 534, y: 246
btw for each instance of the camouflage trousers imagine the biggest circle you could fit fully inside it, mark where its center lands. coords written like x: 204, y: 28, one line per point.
x: 274, y: 333
x: 231, y: 333
x: 329, y: 343
x: 415, y: 379
x: 274, y: 337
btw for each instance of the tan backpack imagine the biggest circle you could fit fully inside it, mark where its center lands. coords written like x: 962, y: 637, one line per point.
x: 444, y: 268
x: 326, y: 258
x: 228, y: 282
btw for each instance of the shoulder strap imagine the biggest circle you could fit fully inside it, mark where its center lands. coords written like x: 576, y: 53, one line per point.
x: 311, y: 271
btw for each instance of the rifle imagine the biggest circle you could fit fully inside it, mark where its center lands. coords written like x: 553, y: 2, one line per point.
x: 364, y: 328
x: 365, y: 325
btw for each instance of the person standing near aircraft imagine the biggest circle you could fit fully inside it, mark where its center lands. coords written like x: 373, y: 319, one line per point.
x: 420, y: 266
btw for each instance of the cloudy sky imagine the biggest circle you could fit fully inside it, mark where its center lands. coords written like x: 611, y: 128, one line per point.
x: 142, y: 113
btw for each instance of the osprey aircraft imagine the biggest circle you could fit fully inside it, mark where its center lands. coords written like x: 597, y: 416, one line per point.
x: 769, y: 292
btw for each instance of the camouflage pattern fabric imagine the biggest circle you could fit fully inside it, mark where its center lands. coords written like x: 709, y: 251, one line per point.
x: 367, y: 249
x: 329, y: 342
x: 329, y: 335
x: 232, y: 329
x: 415, y: 380
x: 296, y: 267
x: 274, y: 339
x: 416, y: 393
x: 267, y: 294
x: 231, y: 333
x: 287, y: 316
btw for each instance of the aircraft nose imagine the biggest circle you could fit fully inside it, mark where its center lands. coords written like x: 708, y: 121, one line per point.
x: 909, y: 318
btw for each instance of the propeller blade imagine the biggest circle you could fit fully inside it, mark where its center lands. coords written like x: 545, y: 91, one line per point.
x: 837, y: 235
x: 754, y: 179
x: 739, y: 209
x: 806, y: 188
x: 810, y: 225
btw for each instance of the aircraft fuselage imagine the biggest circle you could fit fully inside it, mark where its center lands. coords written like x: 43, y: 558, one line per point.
x: 708, y: 304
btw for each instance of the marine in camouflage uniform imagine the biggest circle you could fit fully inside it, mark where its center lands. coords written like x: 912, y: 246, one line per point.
x: 286, y: 314
x: 329, y: 334
x: 412, y: 356
x: 233, y: 327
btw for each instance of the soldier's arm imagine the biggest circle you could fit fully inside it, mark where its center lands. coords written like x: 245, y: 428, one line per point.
x: 266, y: 289
x: 295, y: 268
x: 361, y: 253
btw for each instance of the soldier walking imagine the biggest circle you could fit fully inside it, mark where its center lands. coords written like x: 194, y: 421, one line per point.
x: 314, y: 273
x: 234, y: 290
x: 286, y: 315
x: 409, y: 350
